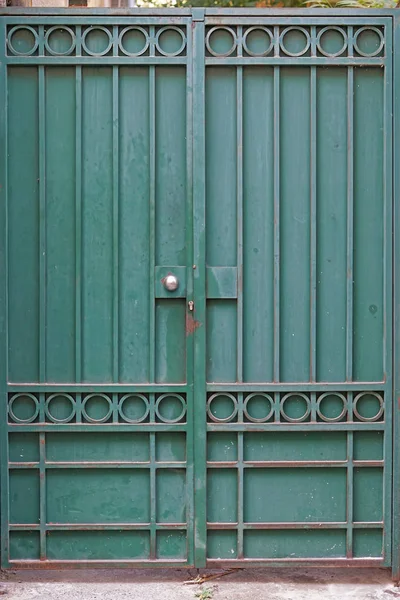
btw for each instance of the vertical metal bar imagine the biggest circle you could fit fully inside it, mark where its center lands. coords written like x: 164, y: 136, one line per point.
x: 4, y: 482
x: 240, y: 41
x: 42, y: 403
x: 349, y: 496
x: 199, y: 284
x: 350, y: 411
x: 78, y: 401
x: 42, y: 495
x: 152, y: 215
x: 350, y: 226
x: 115, y: 415
x: 277, y: 407
x: 350, y: 40
x: 313, y: 40
x: 190, y: 434
x: 313, y: 415
x: 115, y: 40
x: 313, y: 223
x: 396, y: 315
x: 240, y: 508
x: 42, y: 295
x: 276, y: 223
x: 78, y: 42
x: 153, y: 507
x: 42, y: 225
x: 115, y: 192
x: 239, y: 216
x: 276, y: 40
x: 78, y: 224
x: 388, y: 293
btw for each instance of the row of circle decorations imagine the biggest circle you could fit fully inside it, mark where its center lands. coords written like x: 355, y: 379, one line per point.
x: 294, y: 407
x: 170, y: 41
x: 97, y: 41
x: 294, y: 41
x: 222, y: 407
x: 62, y: 407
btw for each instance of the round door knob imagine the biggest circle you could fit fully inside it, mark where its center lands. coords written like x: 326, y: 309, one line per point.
x: 171, y: 282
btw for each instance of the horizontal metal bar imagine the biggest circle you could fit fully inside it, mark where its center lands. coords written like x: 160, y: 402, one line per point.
x: 295, y: 17
x: 327, y: 427
x: 269, y: 386
x: 293, y: 463
x: 56, y: 16
x: 303, y: 525
x: 308, y: 61
x: 212, y: 563
x: 97, y: 526
x: 92, y: 60
x: 124, y: 388
x: 216, y: 563
x: 214, y: 15
x: 180, y: 465
x: 110, y: 427
x: 183, y: 526
x: 98, y: 465
x: 98, y: 564
x: 363, y: 386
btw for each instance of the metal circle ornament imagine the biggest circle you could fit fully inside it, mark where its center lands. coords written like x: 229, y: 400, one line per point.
x: 368, y: 41
x: 368, y: 406
x: 133, y: 41
x: 170, y: 408
x: 60, y: 41
x: 134, y: 408
x: 258, y: 407
x: 258, y: 41
x: 60, y: 408
x: 97, y: 41
x: 221, y: 41
x: 295, y: 41
x: 297, y: 401
x: 222, y: 407
x: 23, y: 408
x: 96, y: 408
x: 23, y: 40
x: 170, y: 41
x: 332, y: 407
x: 331, y: 41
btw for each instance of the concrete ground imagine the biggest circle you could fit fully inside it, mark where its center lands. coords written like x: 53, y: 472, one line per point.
x: 257, y: 584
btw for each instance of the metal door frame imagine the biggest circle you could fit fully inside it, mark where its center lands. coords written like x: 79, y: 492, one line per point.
x: 199, y: 273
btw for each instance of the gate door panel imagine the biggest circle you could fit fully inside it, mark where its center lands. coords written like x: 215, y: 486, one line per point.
x: 99, y: 366
x: 298, y: 221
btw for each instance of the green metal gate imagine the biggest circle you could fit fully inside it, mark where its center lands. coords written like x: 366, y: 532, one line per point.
x: 246, y: 416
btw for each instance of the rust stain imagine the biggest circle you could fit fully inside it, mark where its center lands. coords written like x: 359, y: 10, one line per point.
x: 191, y: 324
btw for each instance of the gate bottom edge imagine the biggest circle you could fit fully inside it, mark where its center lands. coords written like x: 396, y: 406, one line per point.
x: 211, y: 564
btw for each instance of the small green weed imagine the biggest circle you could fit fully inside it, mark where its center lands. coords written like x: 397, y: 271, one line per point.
x: 204, y: 594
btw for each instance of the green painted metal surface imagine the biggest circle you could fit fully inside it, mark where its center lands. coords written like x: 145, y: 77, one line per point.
x: 246, y: 417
